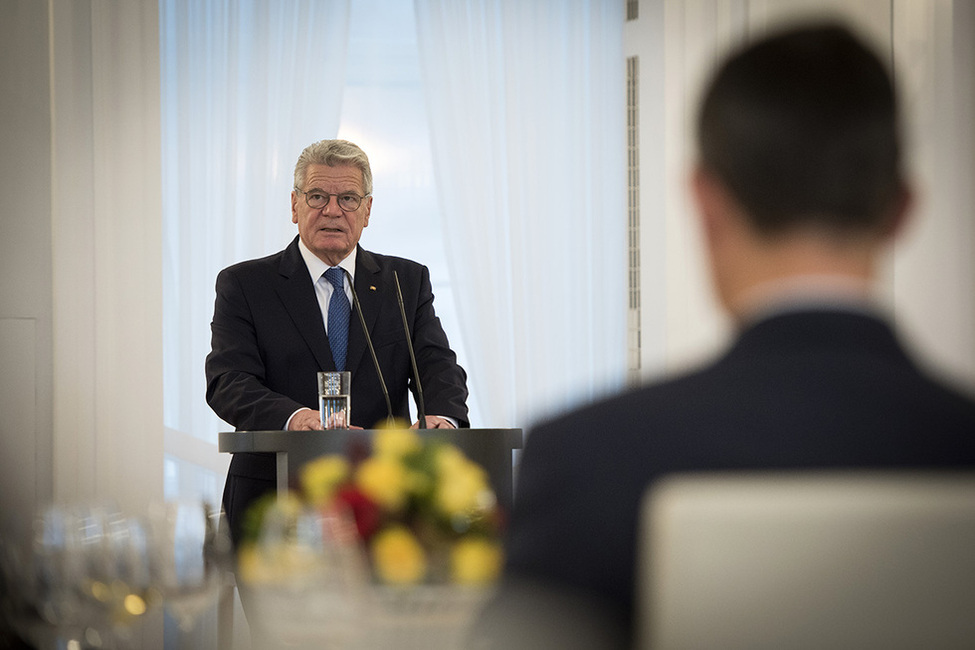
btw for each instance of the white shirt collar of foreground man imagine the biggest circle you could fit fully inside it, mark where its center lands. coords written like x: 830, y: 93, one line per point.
x: 811, y: 291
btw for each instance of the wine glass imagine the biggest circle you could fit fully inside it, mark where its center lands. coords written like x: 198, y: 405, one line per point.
x: 191, y: 557
x: 55, y: 569
x: 306, y: 577
x: 121, y: 581
x: 114, y: 581
x: 89, y: 578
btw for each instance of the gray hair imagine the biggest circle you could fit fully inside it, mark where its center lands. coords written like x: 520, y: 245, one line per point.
x: 334, y: 153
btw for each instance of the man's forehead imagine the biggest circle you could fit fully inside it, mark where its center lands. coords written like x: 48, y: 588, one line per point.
x: 324, y: 177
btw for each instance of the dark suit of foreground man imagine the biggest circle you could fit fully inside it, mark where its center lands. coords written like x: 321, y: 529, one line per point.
x: 799, y: 191
x: 269, y: 336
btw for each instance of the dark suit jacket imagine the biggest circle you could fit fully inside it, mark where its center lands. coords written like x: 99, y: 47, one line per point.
x: 799, y: 390
x: 268, y: 344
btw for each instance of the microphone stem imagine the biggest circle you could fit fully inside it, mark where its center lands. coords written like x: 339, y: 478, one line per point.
x: 372, y: 350
x: 421, y: 414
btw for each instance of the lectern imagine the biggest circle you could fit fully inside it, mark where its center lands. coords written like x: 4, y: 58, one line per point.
x: 490, y: 448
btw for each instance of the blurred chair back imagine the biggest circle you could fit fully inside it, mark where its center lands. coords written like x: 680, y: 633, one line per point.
x: 808, y: 560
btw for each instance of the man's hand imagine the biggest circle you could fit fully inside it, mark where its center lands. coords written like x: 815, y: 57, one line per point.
x: 434, y: 422
x: 305, y: 420
x: 309, y: 420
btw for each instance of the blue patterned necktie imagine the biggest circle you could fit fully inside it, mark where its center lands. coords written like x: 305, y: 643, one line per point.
x: 338, y: 317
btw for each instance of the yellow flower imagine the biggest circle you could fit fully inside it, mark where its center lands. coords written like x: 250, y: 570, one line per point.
x: 287, y: 506
x: 463, y: 486
x: 475, y: 561
x: 395, y: 423
x: 384, y: 480
x: 398, y: 556
x: 250, y: 567
x: 274, y: 563
x: 395, y: 442
x: 321, y: 477
x: 449, y: 458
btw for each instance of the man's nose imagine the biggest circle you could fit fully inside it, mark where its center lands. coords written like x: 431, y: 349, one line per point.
x: 332, y: 208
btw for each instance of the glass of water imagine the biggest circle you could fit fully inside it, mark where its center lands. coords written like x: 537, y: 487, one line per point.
x: 334, y: 399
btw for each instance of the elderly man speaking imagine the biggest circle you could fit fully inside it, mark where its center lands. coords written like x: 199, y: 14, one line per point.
x: 280, y: 320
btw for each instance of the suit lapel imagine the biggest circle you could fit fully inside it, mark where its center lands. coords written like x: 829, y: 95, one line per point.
x: 369, y: 289
x: 298, y: 295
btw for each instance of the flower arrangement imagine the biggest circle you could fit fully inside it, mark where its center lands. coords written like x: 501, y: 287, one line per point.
x: 424, y: 512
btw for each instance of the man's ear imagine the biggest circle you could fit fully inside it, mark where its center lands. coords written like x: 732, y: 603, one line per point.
x: 901, y: 213
x: 294, y: 207
x: 368, y: 211
x: 713, y: 202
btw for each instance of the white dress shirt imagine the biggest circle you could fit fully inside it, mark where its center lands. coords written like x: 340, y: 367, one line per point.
x: 324, y: 288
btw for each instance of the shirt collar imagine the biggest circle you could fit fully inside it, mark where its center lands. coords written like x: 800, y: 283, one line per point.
x: 316, y: 267
x: 805, y: 292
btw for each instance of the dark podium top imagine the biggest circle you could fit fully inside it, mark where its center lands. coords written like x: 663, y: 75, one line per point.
x: 490, y: 448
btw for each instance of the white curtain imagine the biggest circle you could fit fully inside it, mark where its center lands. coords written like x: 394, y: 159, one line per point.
x: 246, y: 84
x: 933, y: 269
x: 526, y: 113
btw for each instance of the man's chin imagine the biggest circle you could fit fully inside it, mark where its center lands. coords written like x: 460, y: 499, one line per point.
x: 332, y: 252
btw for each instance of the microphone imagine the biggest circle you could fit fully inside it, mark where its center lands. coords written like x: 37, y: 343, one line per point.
x: 421, y: 413
x: 372, y: 350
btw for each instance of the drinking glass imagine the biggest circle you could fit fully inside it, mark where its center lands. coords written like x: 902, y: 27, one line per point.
x: 334, y: 389
x: 87, y: 588
x: 191, y: 556
x: 313, y: 578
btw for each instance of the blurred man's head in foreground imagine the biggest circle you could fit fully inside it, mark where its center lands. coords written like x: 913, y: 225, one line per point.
x: 799, y: 141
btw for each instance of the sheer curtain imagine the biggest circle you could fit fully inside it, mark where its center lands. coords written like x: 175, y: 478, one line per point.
x: 246, y: 84
x: 526, y: 113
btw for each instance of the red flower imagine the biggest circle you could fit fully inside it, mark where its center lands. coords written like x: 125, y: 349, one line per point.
x: 366, y: 513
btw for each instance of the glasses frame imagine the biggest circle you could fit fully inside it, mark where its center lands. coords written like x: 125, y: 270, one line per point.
x: 328, y: 199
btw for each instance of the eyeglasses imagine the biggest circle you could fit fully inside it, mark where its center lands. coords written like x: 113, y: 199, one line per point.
x: 317, y: 199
